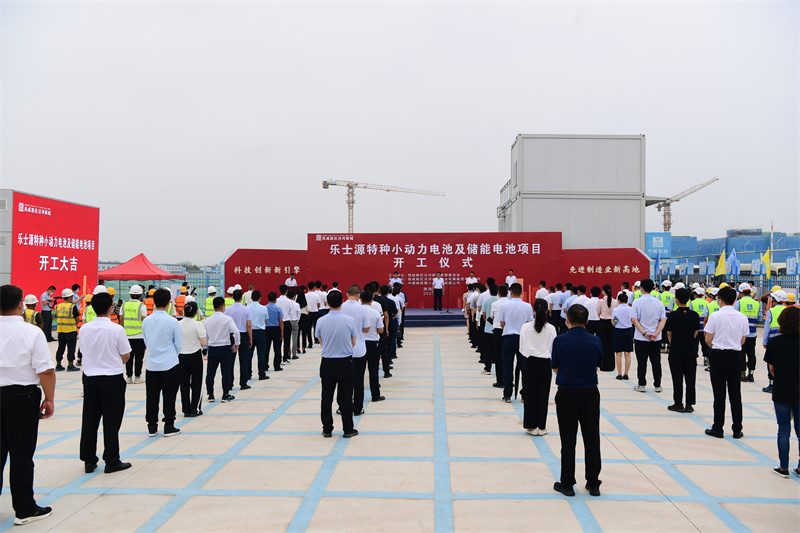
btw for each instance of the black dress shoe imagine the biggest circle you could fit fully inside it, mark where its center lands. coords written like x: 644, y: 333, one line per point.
x: 350, y: 434
x: 712, y: 433
x: 594, y: 490
x: 89, y: 467
x: 563, y: 489
x: 110, y: 469
x: 327, y: 434
x: 497, y: 385
x: 738, y: 435
x: 387, y: 375
x: 278, y: 370
x: 676, y: 408
x: 359, y: 413
x: 262, y: 378
x: 379, y: 398
x: 688, y: 409
x: 245, y: 387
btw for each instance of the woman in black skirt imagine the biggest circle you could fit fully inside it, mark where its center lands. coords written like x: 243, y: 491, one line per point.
x: 535, y: 344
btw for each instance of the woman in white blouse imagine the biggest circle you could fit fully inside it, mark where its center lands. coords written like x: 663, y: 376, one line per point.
x: 191, y: 360
x: 535, y: 345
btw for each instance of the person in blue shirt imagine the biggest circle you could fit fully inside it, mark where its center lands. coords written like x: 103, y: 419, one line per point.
x: 274, y: 331
x: 336, y: 332
x: 576, y: 358
x: 164, y: 340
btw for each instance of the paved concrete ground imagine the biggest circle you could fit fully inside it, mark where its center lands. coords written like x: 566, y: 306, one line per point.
x: 441, y: 453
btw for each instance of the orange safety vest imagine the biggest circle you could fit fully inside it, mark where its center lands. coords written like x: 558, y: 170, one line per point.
x: 150, y: 304
x: 180, y: 303
x: 114, y: 314
x: 79, y: 320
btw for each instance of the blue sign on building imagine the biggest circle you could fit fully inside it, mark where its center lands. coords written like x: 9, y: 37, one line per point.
x: 655, y: 242
x: 755, y: 268
x: 791, y: 266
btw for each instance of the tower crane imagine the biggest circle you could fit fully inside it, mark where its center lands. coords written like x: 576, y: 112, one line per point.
x: 669, y: 201
x: 351, y: 193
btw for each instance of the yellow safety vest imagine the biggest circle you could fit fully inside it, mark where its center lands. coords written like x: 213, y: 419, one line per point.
x: 30, y: 316
x: 66, y: 322
x: 228, y: 302
x: 132, y: 317
x: 668, y: 300
x: 637, y: 295
x: 713, y: 307
x: 209, y: 306
x: 773, y: 325
x: 699, y: 306
x: 89, y: 314
x: 750, y: 308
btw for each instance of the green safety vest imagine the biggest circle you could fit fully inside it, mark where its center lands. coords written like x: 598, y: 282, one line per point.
x: 773, y: 325
x: 637, y: 295
x: 132, y: 315
x: 699, y: 306
x: 713, y: 307
x: 89, y: 314
x: 210, y: 306
x: 228, y: 302
x: 668, y: 299
x: 750, y: 308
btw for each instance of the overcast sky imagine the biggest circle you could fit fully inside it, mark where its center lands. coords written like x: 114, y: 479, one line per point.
x: 199, y: 127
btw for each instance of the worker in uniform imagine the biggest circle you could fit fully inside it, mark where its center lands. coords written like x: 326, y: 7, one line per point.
x: 229, y: 298
x: 791, y: 300
x: 711, y: 308
x: 25, y: 360
x: 668, y: 300
x: 700, y: 306
x: 67, y: 316
x: 149, y: 302
x: 212, y: 293
x: 637, y: 291
x: 31, y: 315
x: 771, y: 327
x: 48, y: 303
x: 115, y: 306
x: 133, y: 312
x: 749, y: 308
x: 180, y: 301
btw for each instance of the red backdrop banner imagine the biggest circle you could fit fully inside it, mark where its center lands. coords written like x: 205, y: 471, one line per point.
x: 53, y: 243
x: 361, y: 257
x: 604, y: 265
x: 266, y: 269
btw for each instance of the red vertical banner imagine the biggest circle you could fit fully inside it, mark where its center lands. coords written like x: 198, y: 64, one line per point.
x: 53, y: 243
x: 357, y: 258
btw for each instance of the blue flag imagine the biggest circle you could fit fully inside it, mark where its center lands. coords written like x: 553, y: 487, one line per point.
x: 735, y: 266
x: 657, y: 265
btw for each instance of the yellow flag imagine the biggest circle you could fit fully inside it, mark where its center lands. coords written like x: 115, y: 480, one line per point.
x: 765, y: 260
x: 721, y: 265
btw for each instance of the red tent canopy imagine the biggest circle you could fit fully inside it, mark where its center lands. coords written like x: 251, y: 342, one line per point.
x: 138, y: 268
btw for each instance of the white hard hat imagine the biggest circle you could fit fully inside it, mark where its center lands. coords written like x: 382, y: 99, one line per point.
x: 696, y: 286
x: 230, y: 290
x: 211, y: 289
x: 744, y: 287
x: 135, y: 290
x: 713, y: 291
x: 67, y: 293
x: 237, y: 287
x: 31, y: 299
x: 99, y: 289
x: 700, y: 291
x: 637, y: 284
x: 779, y: 296
x: 680, y: 285
x: 666, y: 283
x: 189, y: 299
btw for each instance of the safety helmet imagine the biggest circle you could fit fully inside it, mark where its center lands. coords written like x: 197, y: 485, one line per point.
x: 723, y: 285
x: 212, y: 289
x: 99, y: 289
x: 183, y: 290
x: 67, y: 293
x: 88, y: 298
x: 189, y: 299
x: 713, y: 291
x: 680, y: 285
x: 637, y: 284
x: 666, y: 283
x: 775, y: 288
x: 151, y: 292
x: 31, y: 299
x: 237, y: 287
x: 135, y: 290
x: 791, y: 298
x: 700, y: 291
x: 779, y: 296
x: 230, y: 290
x: 696, y: 285
x: 744, y: 287
x: 111, y: 291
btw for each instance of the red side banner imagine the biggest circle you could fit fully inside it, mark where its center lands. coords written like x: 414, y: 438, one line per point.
x: 361, y: 257
x: 604, y: 265
x: 266, y: 269
x: 53, y: 243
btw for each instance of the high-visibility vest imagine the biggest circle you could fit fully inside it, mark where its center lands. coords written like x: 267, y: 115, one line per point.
x: 228, y: 302
x: 668, y: 299
x: 750, y: 308
x: 637, y: 295
x: 132, y: 317
x: 699, y: 306
x: 775, y: 312
x: 209, y: 306
x: 114, y: 314
x: 713, y: 307
x: 180, y: 303
x: 170, y: 309
x: 30, y: 316
x: 150, y: 304
x: 89, y: 314
x: 66, y: 322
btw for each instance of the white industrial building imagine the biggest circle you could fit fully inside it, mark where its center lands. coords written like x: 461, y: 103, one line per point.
x: 591, y: 188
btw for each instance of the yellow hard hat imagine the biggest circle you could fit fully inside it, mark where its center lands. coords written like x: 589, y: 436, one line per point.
x: 791, y: 298
x: 723, y: 285
x: 111, y: 291
x: 88, y: 298
x: 151, y: 292
x: 775, y: 288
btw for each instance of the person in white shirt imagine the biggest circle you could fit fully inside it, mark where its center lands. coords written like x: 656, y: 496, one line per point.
x: 248, y: 296
x: 471, y: 279
x: 105, y: 351
x: 294, y: 320
x: 290, y: 281
x: 395, y: 279
x: 535, y: 345
x: 513, y: 314
x: 626, y: 290
x: 352, y: 307
x: 497, y: 335
x: 511, y: 278
x: 554, y: 306
x: 582, y: 299
x: 219, y: 328
x: 438, y: 291
x: 623, y: 334
x: 26, y: 364
x: 286, y: 306
x: 324, y: 308
x: 542, y: 292
x: 726, y: 331
x: 312, y: 297
x: 593, y: 325
x: 191, y: 360
x: 372, y: 341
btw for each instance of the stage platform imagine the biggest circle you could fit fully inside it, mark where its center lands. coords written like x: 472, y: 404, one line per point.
x: 428, y: 318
